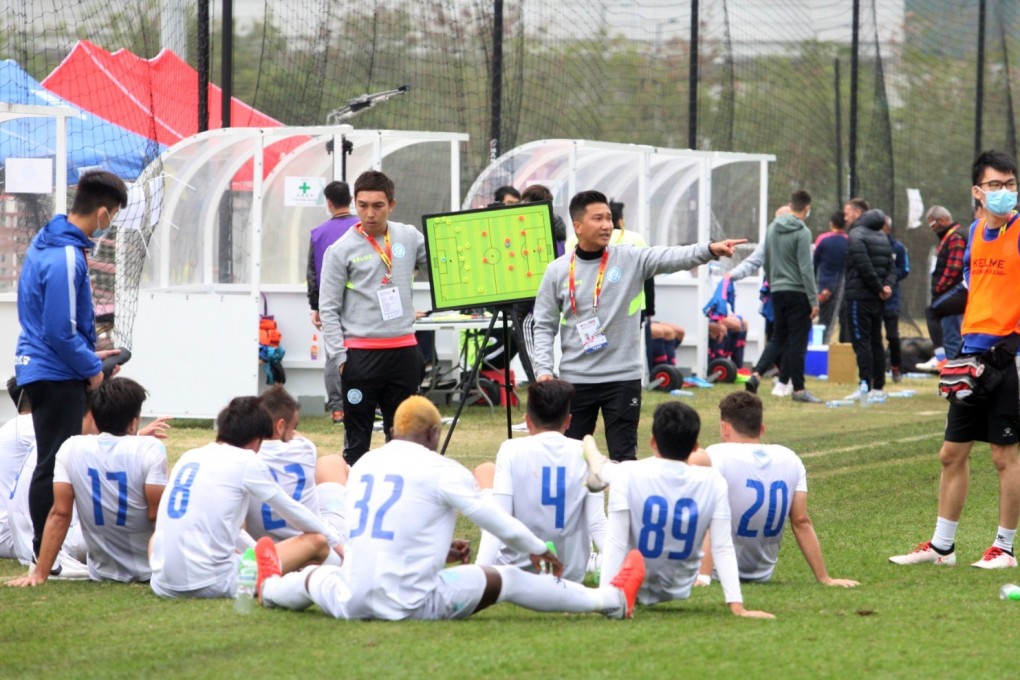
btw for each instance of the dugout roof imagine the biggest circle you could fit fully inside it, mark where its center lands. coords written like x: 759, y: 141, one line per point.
x: 665, y: 190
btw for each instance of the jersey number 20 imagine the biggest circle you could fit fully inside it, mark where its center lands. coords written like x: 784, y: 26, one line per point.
x: 779, y: 495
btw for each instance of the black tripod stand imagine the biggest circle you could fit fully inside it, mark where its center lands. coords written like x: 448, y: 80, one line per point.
x: 511, y: 328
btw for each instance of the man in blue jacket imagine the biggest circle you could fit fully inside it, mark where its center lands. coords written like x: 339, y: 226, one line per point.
x: 891, y: 311
x: 56, y: 359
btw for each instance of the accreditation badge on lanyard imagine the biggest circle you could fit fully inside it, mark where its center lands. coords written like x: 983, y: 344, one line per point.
x: 590, y: 330
x: 389, y: 298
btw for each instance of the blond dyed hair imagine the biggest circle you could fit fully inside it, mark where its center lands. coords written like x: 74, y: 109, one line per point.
x: 415, y: 416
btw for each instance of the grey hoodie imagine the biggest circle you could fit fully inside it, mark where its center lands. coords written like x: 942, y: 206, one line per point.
x: 788, y: 266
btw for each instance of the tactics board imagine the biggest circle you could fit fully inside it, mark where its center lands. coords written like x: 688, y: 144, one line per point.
x: 492, y: 256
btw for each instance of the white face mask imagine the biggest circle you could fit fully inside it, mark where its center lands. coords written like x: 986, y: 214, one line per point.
x: 98, y: 233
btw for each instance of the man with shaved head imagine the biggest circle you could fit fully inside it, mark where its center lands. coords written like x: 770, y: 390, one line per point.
x: 402, y: 511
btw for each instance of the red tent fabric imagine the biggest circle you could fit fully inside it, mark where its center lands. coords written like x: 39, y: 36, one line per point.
x: 156, y: 98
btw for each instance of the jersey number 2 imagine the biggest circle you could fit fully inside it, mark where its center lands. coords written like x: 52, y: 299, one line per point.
x: 295, y: 469
x: 377, y: 525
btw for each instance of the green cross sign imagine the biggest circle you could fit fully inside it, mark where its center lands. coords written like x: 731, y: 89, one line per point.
x: 304, y: 187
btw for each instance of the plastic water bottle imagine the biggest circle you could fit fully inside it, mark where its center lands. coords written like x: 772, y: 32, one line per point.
x: 314, y: 353
x: 1010, y: 591
x: 546, y: 568
x: 902, y: 394
x: 863, y: 394
x: 247, y: 574
x: 681, y: 393
x: 836, y: 403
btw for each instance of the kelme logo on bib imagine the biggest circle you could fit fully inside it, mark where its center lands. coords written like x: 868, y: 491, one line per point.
x: 613, y: 275
x: 354, y: 396
x: 399, y: 250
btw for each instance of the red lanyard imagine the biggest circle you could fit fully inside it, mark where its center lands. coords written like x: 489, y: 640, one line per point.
x: 385, y: 255
x: 572, y: 287
x: 946, y: 236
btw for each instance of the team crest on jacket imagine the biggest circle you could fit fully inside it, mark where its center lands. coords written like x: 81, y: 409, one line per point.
x: 399, y: 250
x: 354, y: 396
x: 613, y: 275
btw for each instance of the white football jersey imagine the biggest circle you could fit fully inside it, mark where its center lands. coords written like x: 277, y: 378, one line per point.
x: 332, y: 499
x: 671, y: 505
x: 109, y: 475
x: 402, y: 503
x: 544, y: 475
x: 292, y: 465
x: 17, y: 440
x: 762, y: 480
x: 201, y: 514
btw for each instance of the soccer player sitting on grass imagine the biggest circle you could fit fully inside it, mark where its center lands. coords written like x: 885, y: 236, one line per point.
x: 767, y: 483
x: 115, y: 480
x: 331, y: 472
x: 291, y: 460
x: 17, y: 442
x: 199, y: 520
x: 540, y: 480
x: 662, y: 507
x: 401, y: 536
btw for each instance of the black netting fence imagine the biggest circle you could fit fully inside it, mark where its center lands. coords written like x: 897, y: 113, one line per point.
x: 771, y: 77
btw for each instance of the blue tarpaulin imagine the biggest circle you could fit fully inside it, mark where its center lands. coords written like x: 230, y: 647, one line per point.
x: 92, y: 143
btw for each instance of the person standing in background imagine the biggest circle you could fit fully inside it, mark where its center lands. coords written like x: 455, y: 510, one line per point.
x: 948, y: 294
x: 891, y: 310
x: 338, y: 202
x: 829, y: 261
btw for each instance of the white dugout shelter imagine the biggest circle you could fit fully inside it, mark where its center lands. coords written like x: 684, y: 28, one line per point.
x: 672, y: 196
x: 211, y: 271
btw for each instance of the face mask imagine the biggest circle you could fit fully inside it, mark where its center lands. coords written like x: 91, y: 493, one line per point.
x: 98, y: 233
x: 1000, y: 202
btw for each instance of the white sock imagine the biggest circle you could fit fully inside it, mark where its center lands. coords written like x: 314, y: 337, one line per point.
x: 544, y: 593
x: 286, y: 591
x: 333, y: 559
x: 945, y: 534
x: 1004, y: 539
x: 940, y: 353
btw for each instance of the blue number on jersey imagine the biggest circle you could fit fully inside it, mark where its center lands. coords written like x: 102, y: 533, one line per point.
x: 362, y: 505
x: 97, y: 496
x: 559, y: 499
x: 177, y: 503
x: 268, y: 521
x: 654, y: 519
x: 779, y: 494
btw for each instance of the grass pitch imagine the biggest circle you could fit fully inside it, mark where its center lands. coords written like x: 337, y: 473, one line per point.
x: 872, y: 476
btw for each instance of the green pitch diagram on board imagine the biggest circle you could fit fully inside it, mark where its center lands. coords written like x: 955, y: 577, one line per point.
x: 487, y: 257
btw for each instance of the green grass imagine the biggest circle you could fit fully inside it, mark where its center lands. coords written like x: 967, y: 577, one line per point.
x: 873, y: 477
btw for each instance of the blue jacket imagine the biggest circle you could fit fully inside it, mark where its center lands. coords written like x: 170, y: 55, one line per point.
x: 892, y: 305
x: 58, y: 329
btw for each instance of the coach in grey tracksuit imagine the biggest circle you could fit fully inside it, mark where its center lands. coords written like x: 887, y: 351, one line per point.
x: 367, y: 314
x: 600, y: 330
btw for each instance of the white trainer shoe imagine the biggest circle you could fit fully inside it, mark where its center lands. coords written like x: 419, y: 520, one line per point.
x: 595, y: 461
x: 520, y: 427
x: 995, y: 558
x: 782, y: 389
x: 930, y: 366
x: 66, y: 568
x: 925, y: 554
x: 854, y: 396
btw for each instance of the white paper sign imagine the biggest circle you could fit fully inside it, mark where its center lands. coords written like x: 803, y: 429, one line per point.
x: 304, y: 192
x: 916, y: 208
x: 29, y: 176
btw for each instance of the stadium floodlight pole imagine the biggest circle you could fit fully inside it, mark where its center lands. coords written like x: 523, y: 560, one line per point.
x: 838, y: 100
x: 203, y: 65
x: 692, y: 102
x: 854, y: 67
x: 227, y: 60
x: 979, y: 94
x: 496, y: 95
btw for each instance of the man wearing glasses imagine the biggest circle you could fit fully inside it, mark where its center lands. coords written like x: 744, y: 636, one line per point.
x: 991, y: 320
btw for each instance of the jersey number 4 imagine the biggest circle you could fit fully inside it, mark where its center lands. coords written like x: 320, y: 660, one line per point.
x: 397, y: 482
x: 779, y: 498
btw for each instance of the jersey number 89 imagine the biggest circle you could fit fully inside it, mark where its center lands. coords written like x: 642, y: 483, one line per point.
x: 683, y: 527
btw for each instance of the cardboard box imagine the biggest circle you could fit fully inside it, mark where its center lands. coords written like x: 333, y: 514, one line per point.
x: 842, y: 364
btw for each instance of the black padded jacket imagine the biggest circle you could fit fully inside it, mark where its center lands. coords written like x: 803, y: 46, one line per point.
x: 869, y: 258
